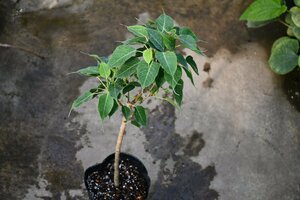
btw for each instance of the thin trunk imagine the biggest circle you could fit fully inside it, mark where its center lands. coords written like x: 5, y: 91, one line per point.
x: 118, y: 151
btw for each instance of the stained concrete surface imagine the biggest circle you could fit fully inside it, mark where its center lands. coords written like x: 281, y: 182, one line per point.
x: 237, y: 136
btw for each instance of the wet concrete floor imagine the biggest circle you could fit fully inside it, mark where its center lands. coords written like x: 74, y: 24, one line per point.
x: 39, y: 145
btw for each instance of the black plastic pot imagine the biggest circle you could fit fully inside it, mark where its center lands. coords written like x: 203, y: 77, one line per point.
x: 134, y: 179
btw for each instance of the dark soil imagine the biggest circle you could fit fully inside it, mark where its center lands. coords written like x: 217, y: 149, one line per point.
x: 134, y: 180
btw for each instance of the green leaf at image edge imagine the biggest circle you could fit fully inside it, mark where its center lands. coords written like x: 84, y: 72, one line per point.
x: 262, y: 10
x: 284, y: 56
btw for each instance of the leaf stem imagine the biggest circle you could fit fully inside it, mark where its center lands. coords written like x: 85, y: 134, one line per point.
x: 102, y: 82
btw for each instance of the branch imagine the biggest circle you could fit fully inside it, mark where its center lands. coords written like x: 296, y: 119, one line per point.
x: 117, y: 153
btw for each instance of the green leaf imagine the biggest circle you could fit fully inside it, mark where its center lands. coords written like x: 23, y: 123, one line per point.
x: 128, y: 68
x: 114, y: 90
x: 173, y: 80
x: 114, y: 108
x: 181, y: 60
x: 82, y: 99
x: 295, y: 12
x: 297, y: 2
x: 126, y: 112
x: 262, y: 10
x: 138, y: 30
x: 135, y: 40
x: 89, y: 71
x: 105, y: 105
x: 147, y: 74
x: 168, y: 61
x: 188, y: 31
x: 164, y: 23
x: 189, y: 42
x: 141, y: 115
x: 288, y: 19
x: 189, y: 74
x: 178, y: 92
x: 160, y: 80
x: 192, y: 63
x: 147, y: 55
x: 156, y: 39
x: 120, y: 55
x: 296, y: 32
x: 284, y: 56
x: 130, y: 87
x: 104, y: 70
x: 135, y: 123
x: 169, y: 41
x: 172, y: 102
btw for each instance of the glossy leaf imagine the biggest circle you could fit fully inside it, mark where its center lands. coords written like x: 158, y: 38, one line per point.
x: 130, y: 86
x: 135, y: 123
x: 178, y: 92
x: 168, y: 61
x: 89, y: 71
x: 284, y: 56
x: 147, y: 55
x: 128, y: 68
x: 192, y: 63
x: 189, y: 42
x: 135, y: 40
x: 169, y: 41
x: 147, y: 73
x: 181, y: 60
x: 104, y: 70
x: 138, y: 30
x: 141, y: 115
x: 120, y: 55
x: 164, y: 23
x: 126, y: 112
x: 160, y: 80
x: 262, y: 10
x: 82, y: 99
x: 187, y: 31
x: 114, y: 90
x: 114, y: 109
x: 173, y: 80
x: 105, y: 105
x: 189, y: 75
x: 156, y: 39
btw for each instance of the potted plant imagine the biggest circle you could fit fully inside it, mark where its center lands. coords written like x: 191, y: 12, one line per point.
x: 137, y: 70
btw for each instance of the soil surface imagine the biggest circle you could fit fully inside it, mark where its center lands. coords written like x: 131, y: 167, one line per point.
x: 134, y: 181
